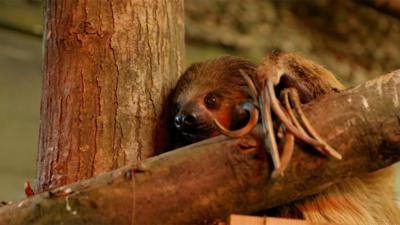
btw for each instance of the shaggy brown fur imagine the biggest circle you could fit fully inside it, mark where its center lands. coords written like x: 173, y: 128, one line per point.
x: 290, y: 70
x: 364, y: 200
x: 219, y: 78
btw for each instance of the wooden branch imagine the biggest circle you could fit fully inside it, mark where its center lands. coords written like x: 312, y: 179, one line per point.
x: 214, y: 178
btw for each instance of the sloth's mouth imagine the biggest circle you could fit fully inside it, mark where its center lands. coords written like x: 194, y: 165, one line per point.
x: 197, y: 135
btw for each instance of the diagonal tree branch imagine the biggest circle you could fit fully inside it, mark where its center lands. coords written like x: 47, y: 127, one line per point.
x: 211, y: 179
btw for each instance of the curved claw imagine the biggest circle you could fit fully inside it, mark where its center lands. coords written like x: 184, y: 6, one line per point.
x: 250, y: 84
x: 289, y: 110
x: 327, y: 148
x: 267, y: 125
x: 244, y: 130
x: 287, y: 153
x: 277, y: 108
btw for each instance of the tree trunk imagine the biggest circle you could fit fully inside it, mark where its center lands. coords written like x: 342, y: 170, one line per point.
x: 108, y: 68
x: 217, y: 178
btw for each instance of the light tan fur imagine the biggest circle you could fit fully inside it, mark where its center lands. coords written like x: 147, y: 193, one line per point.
x: 364, y: 200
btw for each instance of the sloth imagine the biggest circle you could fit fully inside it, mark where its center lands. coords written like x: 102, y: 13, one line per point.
x: 209, y: 99
x: 213, y: 94
x: 212, y: 89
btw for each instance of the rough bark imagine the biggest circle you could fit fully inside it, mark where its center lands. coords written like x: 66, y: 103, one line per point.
x: 212, y: 179
x: 108, y: 68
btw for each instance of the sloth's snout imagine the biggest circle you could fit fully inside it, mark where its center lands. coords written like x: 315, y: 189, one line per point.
x: 185, y: 121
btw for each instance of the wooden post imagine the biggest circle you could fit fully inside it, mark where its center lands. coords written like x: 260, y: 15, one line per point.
x: 108, y: 68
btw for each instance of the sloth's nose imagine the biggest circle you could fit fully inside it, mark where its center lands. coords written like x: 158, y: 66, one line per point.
x: 185, y: 120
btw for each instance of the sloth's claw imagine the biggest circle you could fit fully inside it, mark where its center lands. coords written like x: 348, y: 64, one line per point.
x: 253, y: 120
x: 268, y: 128
x: 326, y: 149
x: 287, y: 153
x: 250, y: 84
x: 280, y: 113
x: 267, y: 101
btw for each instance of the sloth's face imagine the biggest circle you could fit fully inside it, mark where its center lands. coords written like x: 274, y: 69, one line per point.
x: 207, y: 91
x: 193, y: 117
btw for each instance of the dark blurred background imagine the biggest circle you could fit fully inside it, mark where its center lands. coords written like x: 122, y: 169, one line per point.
x: 355, y: 41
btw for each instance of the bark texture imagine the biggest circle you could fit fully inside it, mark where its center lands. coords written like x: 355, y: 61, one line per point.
x: 108, y: 68
x: 211, y: 179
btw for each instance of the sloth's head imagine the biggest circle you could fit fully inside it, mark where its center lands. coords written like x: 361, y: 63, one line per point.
x: 208, y: 90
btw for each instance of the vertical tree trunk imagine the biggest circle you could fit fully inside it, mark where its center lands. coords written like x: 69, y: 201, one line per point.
x: 108, y: 68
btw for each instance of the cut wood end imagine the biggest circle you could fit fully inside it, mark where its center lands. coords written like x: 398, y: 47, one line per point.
x: 258, y: 220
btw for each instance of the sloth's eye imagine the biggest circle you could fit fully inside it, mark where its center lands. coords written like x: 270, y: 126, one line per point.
x: 212, y: 101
